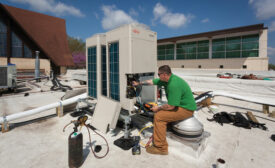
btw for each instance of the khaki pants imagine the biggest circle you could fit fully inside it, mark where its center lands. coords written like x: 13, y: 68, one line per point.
x: 161, y: 118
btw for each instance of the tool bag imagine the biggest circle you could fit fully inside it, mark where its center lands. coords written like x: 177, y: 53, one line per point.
x: 238, y: 119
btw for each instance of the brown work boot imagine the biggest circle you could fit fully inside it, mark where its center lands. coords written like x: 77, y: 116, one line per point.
x: 154, y: 150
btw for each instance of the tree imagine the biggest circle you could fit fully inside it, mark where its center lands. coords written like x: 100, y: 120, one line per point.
x: 271, y: 67
x: 76, y: 45
x: 77, y: 49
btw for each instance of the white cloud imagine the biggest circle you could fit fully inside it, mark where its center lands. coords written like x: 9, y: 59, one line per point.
x: 265, y: 9
x: 172, y: 20
x: 114, y: 17
x: 133, y: 12
x: 58, y: 8
x: 206, y: 20
x: 271, y: 28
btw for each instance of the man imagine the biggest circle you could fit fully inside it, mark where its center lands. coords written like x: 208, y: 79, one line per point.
x: 181, y: 105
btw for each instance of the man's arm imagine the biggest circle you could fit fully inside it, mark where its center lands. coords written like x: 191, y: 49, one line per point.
x: 147, y: 82
x: 165, y: 107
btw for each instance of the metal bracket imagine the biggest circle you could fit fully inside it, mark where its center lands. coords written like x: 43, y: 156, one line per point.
x: 5, y: 125
x: 59, y: 110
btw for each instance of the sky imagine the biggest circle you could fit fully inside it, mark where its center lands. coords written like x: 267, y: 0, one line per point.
x: 168, y: 18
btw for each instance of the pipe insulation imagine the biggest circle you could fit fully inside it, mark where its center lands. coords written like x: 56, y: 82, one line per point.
x: 257, y: 100
x: 41, y: 109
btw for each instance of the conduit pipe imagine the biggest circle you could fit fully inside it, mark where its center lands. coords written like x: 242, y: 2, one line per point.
x: 245, y: 98
x: 41, y: 109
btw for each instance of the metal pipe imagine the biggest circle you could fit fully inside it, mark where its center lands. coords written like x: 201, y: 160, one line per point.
x: 37, y: 65
x: 40, y: 109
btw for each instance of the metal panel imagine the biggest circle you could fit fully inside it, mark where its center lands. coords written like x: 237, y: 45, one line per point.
x: 106, y: 114
x: 3, y: 76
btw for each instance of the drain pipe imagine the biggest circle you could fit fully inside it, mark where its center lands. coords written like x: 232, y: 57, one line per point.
x: 37, y: 65
x: 24, y: 114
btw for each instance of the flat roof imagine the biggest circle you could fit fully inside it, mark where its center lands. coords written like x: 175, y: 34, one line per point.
x: 215, y: 33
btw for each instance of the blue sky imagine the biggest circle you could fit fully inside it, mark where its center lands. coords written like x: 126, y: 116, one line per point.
x: 167, y: 17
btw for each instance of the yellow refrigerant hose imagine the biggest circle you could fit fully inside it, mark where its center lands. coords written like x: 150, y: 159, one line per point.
x: 139, y: 133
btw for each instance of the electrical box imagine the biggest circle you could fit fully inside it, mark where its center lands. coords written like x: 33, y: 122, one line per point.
x: 7, y: 76
x: 116, y: 58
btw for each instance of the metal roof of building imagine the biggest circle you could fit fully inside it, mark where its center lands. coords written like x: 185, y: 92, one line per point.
x: 48, y: 32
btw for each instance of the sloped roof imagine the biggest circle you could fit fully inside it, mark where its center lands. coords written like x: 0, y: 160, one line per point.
x: 48, y: 32
x: 215, y: 33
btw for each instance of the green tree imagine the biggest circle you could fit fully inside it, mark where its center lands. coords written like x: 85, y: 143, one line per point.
x: 76, y: 45
x: 271, y: 66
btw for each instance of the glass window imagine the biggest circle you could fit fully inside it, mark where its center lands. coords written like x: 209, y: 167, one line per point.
x: 180, y: 56
x: 216, y: 48
x: 202, y: 56
x: 230, y: 40
x: 218, y: 41
x: 218, y: 55
x: 254, y: 53
x: 233, y: 54
x: 17, y: 45
x: 190, y: 56
x: 27, y: 52
x: 251, y: 38
x: 166, y: 52
x: 250, y: 46
x: 3, y: 39
x: 231, y: 47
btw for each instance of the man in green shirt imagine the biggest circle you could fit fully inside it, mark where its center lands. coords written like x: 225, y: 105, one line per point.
x: 181, y: 105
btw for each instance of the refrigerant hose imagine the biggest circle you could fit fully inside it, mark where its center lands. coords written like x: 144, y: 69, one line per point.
x: 81, y: 123
x: 139, y: 133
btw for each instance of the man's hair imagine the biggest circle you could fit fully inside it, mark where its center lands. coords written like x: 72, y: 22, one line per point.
x: 165, y: 69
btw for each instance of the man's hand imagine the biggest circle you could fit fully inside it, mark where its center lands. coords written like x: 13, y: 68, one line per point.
x: 155, y: 109
x: 135, y: 83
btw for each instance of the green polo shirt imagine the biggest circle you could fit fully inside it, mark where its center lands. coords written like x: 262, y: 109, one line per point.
x: 178, y: 92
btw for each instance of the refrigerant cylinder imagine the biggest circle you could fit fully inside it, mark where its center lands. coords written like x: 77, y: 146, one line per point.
x: 75, y: 149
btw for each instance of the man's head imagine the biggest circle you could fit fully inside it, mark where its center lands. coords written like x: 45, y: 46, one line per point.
x: 164, y: 73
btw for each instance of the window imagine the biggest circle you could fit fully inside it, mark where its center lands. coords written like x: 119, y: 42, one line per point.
x: 199, y: 66
x: 16, y: 45
x: 92, y: 91
x: 182, y: 66
x: 221, y: 66
x: 218, y: 48
x: 27, y: 52
x: 114, y: 70
x: 236, y: 47
x: 3, y: 39
x: 103, y: 71
x: 250, y: 46
x: 166, y: 52
x: 244, y: 67
x: 193, y: 50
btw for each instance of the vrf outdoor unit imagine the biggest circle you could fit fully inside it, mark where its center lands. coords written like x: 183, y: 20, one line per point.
x: 116, y: 58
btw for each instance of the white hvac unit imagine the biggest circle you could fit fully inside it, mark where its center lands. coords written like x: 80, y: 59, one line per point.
x: 116, y: 58
x: 7, y: 76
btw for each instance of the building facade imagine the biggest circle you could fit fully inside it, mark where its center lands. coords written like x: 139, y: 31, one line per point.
x: 24, y: 32
x: 235, y: 48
